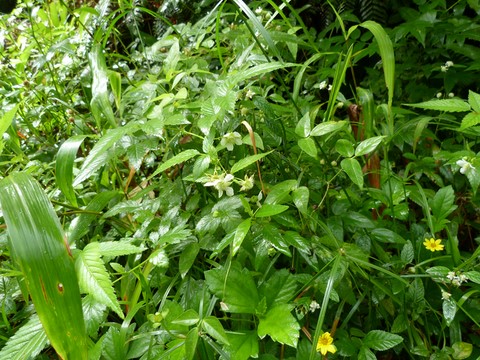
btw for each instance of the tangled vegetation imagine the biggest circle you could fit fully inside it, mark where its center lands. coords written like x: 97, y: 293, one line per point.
x: 224, y: 180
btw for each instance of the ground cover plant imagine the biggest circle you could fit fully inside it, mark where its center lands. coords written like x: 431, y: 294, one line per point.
x: 237, y: 183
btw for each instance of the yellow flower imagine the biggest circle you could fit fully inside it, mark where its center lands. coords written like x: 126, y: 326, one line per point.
x: 433, y: 245
x: 325, y: 345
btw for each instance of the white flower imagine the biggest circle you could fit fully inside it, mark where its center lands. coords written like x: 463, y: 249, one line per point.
x: 323, y: 85
x: 451, y: 275
x: 439, y: 95
x: 444, y: 68
x: 451, y: 95
x: 445, y: 295
x: 329, y: 87
x: 314, y: 306
x: 258, y: 10
x: 249, y: 94
x: 231, y: 139
x: 221, y: 183
x: 465, y: 166
x: 246, y: 184
x: 449, y: 63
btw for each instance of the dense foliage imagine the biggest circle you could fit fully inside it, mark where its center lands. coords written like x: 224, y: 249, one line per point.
x: 238, y: 183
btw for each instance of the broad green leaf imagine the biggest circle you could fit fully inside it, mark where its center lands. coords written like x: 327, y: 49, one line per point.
x: 304, y: 126
x: 300, y: 198
x: 246, y: 161
x: 381, y: 340
x: 471, y: 119
x: 473, y: 276
x: 243, y: 345
x: 240, y: 234
x: 235, y: 288
x: 100, y: 103
x: 462, y: 350
x: 118, y: 248
x: 449, y: 308
x: 257, y: 70
x: 114, y: 346
x: 27, y: 342
x: 387, y: 236
x: 279, y: 288
x: 442, y: 204
x: 474, y: 100
x: 64, y: 166
x: 175, y: 160
x: 366, y: 354
x: 368, y: 145
x: 270, y: 210
x: 188, y: 318
x: 438, y: 273
x: 93, y: 277
x: 187, y: 258
x: 6, y: 119
x: 354, y: 171
x: 38, y: 246
x: 102, y: 152
x: 191, y: 343
x: 344, y: 147
x: 448, y: 105
x: 308, y: 146
x: 407, y: 255
x: 328, y: 127
x: 214, y: 328
x: 280, y: 325
x: 279, y: 193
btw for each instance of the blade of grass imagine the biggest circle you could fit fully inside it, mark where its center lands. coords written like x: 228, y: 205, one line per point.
x: 41, y: 251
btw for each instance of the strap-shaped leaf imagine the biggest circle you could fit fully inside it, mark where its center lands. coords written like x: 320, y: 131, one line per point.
x: 38, y: 246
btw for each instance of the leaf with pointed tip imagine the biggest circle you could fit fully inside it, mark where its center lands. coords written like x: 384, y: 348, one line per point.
x: 280, y: 325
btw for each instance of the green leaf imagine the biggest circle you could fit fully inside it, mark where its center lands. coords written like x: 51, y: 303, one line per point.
x: 449, y: 308
x: 240, y: 233
x: 344, y: 148
x: 447, y: 105
x: 462, y: 350
x: 27, y: 342
x: 328, y: 127
x: 6, y: 119
x: 473, y: 276
x: 246, y: 161
x: 304, y: 126
x: 471, y: 119
x: 191, y: 343
x: 188, y: 318
x: 300, y: 198
x: 366, y: 354
x: 214, y: 328
x: 257, y: 70
x: 442, y: 203
x: 381, y: 340
x: 279, y: 288
x: 243, y: 345
x: 308, y: 146
x: 438, y: 273
x: 175, y: 160
x: 37, y: 244
x: 270, y: 210
x: 187, y: 258
x: 368, y: 145
x: 280, y: 325
x: 100, y: 103
x: 354, y: 171
x: 102, y: 152
x: 64, y: 167
x: 118, y: 248
x: 474, y: 100
x: 93, y: 277
x: 235, y: 287
x: 387, y: 236
x: 407, y: 255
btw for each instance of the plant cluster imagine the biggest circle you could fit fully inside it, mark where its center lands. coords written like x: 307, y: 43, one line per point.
x: 240, y: 186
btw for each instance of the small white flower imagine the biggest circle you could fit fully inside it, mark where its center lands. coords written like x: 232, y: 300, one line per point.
x: 258, y: 10
x: 249, y: 94
x: 323, y: 85
x: 451, y: 275
x: 231, y: 139
x: 221, y: 183
x: 444, y: 68
x: 449, y: 63
x: 439, y: 95
x: 451, y: 95
x: 246, y: 184
x: 314, y: 306
x: 445, y: 295
x: 329, y: 87
x: 465, y: 166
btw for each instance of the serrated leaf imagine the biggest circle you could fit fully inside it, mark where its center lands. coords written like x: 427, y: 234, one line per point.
x: 368, y: 145
x: 448, y: 105
x: 474, y: 100
x: 135, y: 154
x: 214, y: 328
x: 118, y: 248
x: 473, y: 276
x: 449, y: 308
x: 280, y: 325
x: 187, y: 258
x: 27, y: 342
x: 407, y: 255
x: 328, y: 127
x: 235, y: 288
x: 381, y: 340
x: 308, y: 146
x: 279, y: 288
x: 240, y: 233
x: 93, y: 277
x: 438, y: 273
x: 270, y: 210
x: 247, y: 161
x: 353, y: 170
x: 175, y: 160
x: 471, y: 119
